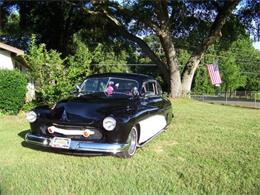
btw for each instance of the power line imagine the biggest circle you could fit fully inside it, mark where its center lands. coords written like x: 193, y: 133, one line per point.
x: 154, y: 65
x: 124, y: 64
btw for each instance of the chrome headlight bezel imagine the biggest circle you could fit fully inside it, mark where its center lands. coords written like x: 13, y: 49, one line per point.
x: 31, y: 116
x: 109, y: 123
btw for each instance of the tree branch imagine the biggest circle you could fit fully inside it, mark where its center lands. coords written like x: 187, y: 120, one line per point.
x: 142, y: 44
x: 214, y: 34
x: 148, y: 23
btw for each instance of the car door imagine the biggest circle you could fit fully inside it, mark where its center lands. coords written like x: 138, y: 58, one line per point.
x: 155, y: 120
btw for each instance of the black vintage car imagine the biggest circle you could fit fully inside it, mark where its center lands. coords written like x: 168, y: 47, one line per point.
x: 109, y: 113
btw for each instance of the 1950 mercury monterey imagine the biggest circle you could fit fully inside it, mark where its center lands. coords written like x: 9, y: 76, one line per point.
x: 109, y: 113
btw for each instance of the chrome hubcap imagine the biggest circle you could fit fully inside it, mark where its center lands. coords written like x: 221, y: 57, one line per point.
x: 133, y: 141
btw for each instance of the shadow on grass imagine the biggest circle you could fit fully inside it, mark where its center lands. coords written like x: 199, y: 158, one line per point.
x: 55, y: 150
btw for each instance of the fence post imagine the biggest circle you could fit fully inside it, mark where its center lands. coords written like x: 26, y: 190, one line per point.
x: 255, y: 100
x: 226, y: 99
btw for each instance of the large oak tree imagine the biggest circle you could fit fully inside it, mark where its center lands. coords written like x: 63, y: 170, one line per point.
x: 170, y: 20
x: 192, y: 24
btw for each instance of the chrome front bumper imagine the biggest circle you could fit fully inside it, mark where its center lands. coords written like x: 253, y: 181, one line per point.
x: 79, y: 145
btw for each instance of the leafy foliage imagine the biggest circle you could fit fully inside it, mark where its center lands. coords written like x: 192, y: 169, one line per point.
x: 12, y: 91
x: 202, y: 83
x: 188, y: 24
x: 108, y: 61
x: 248, y: 60
x: 85, y: 62
x: 231, y: 76
x: 47, y: 72
x: 79, y: 63
x: 239, y: 67
x: 29, y: 106
x: 55, y: 77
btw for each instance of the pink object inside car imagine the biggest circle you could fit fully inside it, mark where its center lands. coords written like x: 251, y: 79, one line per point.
x: 110, y: 89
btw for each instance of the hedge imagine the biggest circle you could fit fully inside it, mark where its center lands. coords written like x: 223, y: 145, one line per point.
x: 12, y: 91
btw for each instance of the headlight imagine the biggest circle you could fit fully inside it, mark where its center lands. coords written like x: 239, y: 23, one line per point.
x: 31, y: 116
x: 109, y: 123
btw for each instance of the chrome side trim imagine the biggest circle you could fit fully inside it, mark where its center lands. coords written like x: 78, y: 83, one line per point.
x: 80, y: 145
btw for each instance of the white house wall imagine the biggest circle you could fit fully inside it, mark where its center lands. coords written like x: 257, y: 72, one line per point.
x: 6, y: 61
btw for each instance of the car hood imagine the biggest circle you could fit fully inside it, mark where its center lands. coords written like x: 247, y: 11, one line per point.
x: 91, y: 109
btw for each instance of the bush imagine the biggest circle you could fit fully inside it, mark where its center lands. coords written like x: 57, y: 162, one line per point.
x: 48, y: 72
x: 29, y: 106
x: 12, y: 91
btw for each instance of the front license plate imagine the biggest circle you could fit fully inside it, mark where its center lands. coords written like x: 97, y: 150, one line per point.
x: 60, y: 142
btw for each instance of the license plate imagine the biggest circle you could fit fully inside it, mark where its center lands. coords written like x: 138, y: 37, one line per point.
x: 60, y: 142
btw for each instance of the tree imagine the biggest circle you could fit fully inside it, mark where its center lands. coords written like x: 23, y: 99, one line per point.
x: 55, y: 77
x: 230, y: 72
x: 190, y: 25
x: 239, y: 66
x: 53, y: 21
x: 48, y: 73
x: 105, y: 60
x: 248, y: 60
x: 78, y: 64
x: 10, y: 31
x: 84, y: 62
x: 169, y: 20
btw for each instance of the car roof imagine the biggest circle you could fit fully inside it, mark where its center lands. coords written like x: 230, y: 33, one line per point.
x: 138, y: 77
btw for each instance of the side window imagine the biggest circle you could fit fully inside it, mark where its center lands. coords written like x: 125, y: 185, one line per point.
x: 150, y: 88
x: 91, y: 85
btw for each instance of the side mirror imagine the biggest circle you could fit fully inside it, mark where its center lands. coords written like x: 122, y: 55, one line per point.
x: 135, y: 92
x: 77, y: 90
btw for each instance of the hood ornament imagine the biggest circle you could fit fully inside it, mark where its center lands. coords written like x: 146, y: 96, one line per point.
x: 64, y: 116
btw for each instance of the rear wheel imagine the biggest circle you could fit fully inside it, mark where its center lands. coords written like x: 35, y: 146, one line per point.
x: 132, y: 140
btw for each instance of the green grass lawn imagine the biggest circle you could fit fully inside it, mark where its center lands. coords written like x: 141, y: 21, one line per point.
x: 208, y: 149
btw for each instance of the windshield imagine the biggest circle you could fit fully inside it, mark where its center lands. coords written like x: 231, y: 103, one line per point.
x: 108, y: 85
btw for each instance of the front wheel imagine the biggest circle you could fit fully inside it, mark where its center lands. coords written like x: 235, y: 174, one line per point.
x: 132, y: 140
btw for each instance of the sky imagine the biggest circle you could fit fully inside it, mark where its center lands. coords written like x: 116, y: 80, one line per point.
x: 257, y: 45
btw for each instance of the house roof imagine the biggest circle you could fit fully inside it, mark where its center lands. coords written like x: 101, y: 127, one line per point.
x: 21, y: 60
x: 11, y: 49
x: 16, y: 53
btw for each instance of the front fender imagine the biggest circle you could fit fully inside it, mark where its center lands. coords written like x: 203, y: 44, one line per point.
x: 125, y: 123
x: 43, y: 115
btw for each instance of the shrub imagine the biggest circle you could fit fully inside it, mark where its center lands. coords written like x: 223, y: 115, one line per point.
x: 29, y: 106
x: 12, y: 91
x: 48, y: 72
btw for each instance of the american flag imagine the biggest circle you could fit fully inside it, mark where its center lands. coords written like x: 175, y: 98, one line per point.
x: 214, y: 74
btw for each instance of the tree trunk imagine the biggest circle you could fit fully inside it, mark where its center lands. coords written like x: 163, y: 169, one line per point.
x: 175, y: 83
x: 170, y: 70
x: 188, y: 74
x: 163, y: 68
x: 214, y: 34
x: 172, y: 61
